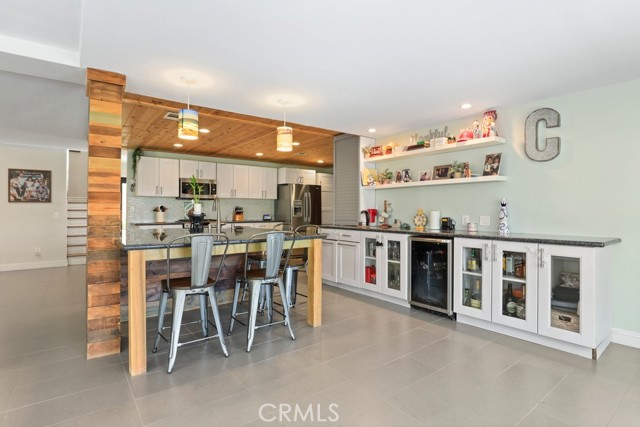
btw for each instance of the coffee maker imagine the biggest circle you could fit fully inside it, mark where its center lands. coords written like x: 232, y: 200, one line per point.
x: 373, y: 214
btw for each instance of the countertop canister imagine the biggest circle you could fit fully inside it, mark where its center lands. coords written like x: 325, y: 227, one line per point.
x: 434, y: 220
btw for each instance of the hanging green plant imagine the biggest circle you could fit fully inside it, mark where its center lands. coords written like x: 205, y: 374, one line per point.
x: 135, y: 158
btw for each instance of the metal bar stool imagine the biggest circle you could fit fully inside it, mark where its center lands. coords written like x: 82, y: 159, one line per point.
x: 270, y: 276
x: 298, y: 261
x: 198, y: 283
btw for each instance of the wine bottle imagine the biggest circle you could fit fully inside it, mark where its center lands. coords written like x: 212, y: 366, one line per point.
x: 467, y: 299
x: 508, y: 303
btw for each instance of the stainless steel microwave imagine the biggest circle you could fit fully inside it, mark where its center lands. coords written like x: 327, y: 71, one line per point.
x: 208, y: 188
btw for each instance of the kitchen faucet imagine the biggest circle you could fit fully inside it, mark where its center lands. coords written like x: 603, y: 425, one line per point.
x: 216, y: 207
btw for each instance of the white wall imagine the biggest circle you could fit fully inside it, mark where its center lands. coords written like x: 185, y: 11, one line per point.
x: 589, y: 190
x: 78, y: 172
x: 25, y: 226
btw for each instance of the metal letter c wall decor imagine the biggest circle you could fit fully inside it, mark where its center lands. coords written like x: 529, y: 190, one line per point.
x: 552, y: 147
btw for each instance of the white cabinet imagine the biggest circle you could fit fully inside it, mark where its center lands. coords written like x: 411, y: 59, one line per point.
x: 556, y: 295
x: 233, y: 181
x: 329, y: 266
x: 385, y: 263
x: 515, y: 285
x: 348, y: 265
x: 371, y: 260
x: 296, y: 176
x: 341, y: 257
x: 201, y: 170
x: 472, y: 278
x: 497, y: 281
x: 263, y: 183
x: 157, y: 177
x: 568, y: 308
x: 325, y: 180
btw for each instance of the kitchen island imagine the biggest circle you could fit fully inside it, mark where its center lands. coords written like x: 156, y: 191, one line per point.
x: 142, y: 245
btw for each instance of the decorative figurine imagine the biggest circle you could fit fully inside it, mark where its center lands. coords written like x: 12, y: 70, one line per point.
x: 406, y: 175
x: 476, y: 129
x: 488, y: 123
x: 503, y: 217
x: 467, y: 170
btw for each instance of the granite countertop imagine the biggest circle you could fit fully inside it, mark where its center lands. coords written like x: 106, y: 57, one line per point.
x: 594, y: 242
x: 140, y: 239
x: 205, y: 222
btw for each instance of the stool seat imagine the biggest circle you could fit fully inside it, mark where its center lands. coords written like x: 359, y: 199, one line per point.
x: 179, y: 283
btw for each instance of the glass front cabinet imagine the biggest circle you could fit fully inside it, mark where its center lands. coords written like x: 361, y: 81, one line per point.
x: 547, y: 290
x: 515, y: 285
x: 385, y: 263
x: 567, y: 300
x: 472, y: 278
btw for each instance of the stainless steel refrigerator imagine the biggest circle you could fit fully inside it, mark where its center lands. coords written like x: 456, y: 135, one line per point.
x: 299, y: 204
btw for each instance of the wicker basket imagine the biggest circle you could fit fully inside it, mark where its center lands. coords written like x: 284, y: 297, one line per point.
x: 565, y: 320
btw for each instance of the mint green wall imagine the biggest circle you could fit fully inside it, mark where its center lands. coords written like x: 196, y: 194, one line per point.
x: 590, y: 189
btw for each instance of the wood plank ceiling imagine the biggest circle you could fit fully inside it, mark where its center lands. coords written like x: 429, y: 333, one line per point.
x: 232, y: 135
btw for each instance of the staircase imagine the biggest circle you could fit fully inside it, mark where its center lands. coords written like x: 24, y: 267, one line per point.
x: 76, y: 230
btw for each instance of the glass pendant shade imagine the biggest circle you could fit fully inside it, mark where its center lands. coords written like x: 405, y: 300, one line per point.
x: 284, y: 139
x: 188, y: 124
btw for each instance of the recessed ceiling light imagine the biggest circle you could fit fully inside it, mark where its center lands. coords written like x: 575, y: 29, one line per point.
x: 320, y: 161
x: 372, y: 130
x: 295, y: 143
x: 465, y: 106
x: 259, y: 154
x: 177, y: 145
x: 204, y: 131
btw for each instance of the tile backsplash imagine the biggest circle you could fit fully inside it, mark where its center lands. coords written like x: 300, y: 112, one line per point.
x: 140, y: 209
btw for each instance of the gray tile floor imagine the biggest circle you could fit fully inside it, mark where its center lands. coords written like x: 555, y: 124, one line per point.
x: 371, y: 364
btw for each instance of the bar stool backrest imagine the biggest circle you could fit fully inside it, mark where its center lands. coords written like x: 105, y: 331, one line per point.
x: 274, y: 242
x: 201, y: 251
x: 305, y: 230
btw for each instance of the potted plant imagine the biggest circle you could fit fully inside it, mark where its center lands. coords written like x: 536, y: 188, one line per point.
x: 366, y: 151
x: 135, y: 158
x: 456, y: 170
x: 159, y: 211
x: 196, y: 189
x: 385, y: 176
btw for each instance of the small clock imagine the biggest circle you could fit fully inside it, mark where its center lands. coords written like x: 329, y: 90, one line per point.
x: 420, y: 220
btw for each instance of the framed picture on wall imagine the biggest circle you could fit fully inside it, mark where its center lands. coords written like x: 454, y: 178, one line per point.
x: 29, y: 186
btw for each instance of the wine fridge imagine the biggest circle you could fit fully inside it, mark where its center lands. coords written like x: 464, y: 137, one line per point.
x: 431, y: 273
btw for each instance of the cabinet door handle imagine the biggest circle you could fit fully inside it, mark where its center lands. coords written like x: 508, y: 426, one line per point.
x: 156, y: 190
x: 161, y: 190
x: 486, y: 252
x: 541, y: 255
x: 494, y: 252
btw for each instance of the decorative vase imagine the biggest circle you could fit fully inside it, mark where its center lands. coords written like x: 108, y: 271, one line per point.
x: 457, y: 174
x: 197, y: 208
x: 159, y: 216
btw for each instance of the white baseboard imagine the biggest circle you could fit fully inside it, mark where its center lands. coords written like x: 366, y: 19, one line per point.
x: 628, y: 338
x: 33, y: 265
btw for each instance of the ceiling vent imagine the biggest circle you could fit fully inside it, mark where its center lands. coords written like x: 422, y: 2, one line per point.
x: 172, y: 115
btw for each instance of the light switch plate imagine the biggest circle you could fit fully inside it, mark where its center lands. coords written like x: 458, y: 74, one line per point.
x: 485, y: 220
x: 465, y: 219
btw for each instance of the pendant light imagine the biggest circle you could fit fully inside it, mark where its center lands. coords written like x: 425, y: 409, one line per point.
x: 284, y: 140
x: 188, y: 118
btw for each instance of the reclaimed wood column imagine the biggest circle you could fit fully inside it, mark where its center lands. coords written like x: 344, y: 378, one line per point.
x: 105, y: 91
